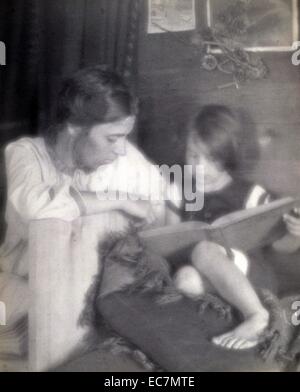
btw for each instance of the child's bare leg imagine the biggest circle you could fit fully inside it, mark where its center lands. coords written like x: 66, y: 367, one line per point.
x: 189, y: 282
x: 209, y: 259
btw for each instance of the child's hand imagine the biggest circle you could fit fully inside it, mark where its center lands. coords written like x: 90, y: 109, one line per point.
x: 293, y: 222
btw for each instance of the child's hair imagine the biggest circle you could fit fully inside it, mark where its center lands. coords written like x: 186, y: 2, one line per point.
x: 219, y: 128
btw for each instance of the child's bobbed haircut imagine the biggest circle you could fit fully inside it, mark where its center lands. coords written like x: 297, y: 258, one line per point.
x: 219, y: 129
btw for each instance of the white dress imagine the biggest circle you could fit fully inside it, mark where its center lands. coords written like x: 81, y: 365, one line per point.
x: 37, y: 190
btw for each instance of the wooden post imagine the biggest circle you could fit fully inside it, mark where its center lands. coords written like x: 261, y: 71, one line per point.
x: 63, y: 260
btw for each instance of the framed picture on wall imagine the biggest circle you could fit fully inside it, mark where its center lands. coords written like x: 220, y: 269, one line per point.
x: 171, y: 15
x: 259, y: 25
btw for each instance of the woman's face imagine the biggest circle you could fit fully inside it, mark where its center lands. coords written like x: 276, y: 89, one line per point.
x: 197, y: 153
x: 102, y: 144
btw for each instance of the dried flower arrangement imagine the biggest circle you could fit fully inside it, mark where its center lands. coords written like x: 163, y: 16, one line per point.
x: 232, y: 59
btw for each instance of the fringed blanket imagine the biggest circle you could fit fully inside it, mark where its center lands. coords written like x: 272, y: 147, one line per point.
x: 137, y: 300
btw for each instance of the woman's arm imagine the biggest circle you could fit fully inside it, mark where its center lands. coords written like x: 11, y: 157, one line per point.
x: 29, y: 192
x: 34, y: 198
x: 92, y: 203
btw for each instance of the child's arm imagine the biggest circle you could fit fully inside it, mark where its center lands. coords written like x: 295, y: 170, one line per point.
x: 290, y: 243
x: 293, y: 223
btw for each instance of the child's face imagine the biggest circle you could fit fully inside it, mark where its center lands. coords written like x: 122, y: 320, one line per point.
x: 197, y: 153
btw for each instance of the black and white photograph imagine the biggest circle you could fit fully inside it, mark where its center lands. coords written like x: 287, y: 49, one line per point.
x: 149, y: 188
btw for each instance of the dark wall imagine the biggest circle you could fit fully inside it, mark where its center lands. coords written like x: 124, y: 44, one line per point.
x: 172, y: 86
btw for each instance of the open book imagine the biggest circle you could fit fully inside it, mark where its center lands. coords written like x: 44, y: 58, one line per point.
x: 244, y: 230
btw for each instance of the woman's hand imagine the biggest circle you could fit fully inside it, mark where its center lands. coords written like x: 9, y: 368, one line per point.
x: 140, y: 209
x: 293, y: 222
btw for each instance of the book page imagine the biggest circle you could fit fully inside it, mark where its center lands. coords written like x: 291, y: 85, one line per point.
x: 170, y: 239
x: 254, y: 228
x: 247, y: 213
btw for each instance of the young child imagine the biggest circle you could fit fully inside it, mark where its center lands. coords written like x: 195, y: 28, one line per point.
x: 214, y: 142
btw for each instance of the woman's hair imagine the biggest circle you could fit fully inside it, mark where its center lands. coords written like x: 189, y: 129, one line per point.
x: 92, y: 96
x: 219, y: 128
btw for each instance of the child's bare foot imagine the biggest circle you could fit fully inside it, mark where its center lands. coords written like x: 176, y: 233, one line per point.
x: 246, y: 335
